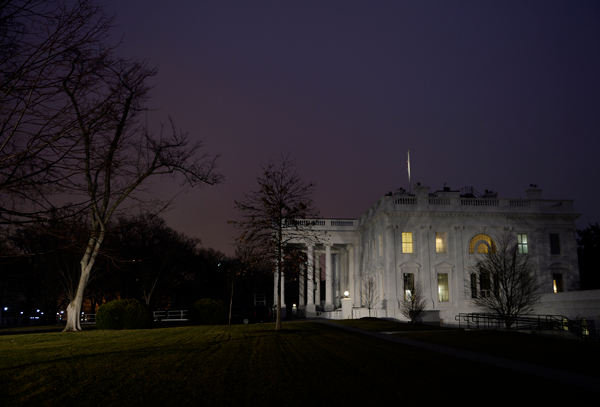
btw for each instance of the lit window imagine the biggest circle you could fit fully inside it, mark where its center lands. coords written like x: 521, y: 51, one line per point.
x: 380, y: 245
x: 554, y: 243
x: 441, y: 242
x: 557, y: 283
x: 409, y: 285
x: 443, y: 293
x: 522, y: 243
x: 482, y: 243
x: 407, y: 242
x: 584, y: 328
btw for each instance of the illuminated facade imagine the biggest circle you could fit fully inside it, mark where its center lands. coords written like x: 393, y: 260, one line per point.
x: 434, y: 238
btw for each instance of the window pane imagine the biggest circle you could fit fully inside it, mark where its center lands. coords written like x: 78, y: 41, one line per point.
x: 443, y: 293
x: 484, y: 284
x: 407, y: 242
x: 557, y: 283
x: 473, y: 285
x: 522, y: 242
x: 482, y: 243
x: 409, y: 285
x: 441, y: 242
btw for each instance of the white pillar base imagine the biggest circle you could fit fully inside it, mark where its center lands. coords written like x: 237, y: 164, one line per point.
x: 346, y: 308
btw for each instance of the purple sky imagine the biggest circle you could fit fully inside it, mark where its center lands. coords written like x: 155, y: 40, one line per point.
x: 496, y: 95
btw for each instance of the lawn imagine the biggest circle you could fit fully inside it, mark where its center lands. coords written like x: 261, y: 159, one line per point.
x: 245, y: 365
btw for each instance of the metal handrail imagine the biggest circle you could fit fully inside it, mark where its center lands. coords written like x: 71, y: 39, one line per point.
x: 583, y: 329
x: 175, y: 315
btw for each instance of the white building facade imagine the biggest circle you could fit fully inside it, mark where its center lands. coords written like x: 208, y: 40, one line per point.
x: 435, y: 238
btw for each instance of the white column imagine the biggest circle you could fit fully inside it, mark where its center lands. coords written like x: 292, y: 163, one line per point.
x: 351, y: 270
x: 275, y: 289
x: 310, y: 276
x: 328, y: 279
x: 311, y: 308
x: 357, y: 277
x: 391, y: 275
x: 318, y: 281
x: 301, y: 296
x: 337, y: 281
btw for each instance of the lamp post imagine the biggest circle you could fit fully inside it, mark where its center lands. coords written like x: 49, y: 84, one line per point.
x: 1, y: 309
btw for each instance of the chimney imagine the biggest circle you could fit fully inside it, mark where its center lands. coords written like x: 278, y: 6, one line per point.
x: 421, y: 191
x: 534, y: 192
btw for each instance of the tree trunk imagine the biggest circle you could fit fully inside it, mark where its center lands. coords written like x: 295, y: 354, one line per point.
x: 230, y: 303
x: 278, y: 320
x: 74, y: 308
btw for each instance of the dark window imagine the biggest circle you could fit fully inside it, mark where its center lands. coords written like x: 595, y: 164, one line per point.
x: 497, y: 285
x: 485, y: 284
x: 409, y: 285
x: 554, y: 243
x: 473, y: 285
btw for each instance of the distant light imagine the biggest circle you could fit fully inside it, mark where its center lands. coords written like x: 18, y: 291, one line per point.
x: 82, y: 313
x: 37, y: 310
x: 42, y: 313
x: 5, y: 308
x: 21, y: 312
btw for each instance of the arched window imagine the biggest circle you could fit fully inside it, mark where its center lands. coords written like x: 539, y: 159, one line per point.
x: 481, y: 244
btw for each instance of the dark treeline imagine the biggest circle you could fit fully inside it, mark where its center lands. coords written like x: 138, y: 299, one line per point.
x: 143, y: 259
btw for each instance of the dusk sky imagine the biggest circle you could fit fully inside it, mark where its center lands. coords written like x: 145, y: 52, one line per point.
x: 491, y: 94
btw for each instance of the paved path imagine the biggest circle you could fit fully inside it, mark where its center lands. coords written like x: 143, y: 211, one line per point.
x: 574, y: 379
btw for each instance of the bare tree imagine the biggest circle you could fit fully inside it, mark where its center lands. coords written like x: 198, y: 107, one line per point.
x: 118, y: 156
x: 276, y: 218
x: 109, y: 157
x: 507, y: 284
x: 414, y: 303
x: 38, y: 130
x: 368, y: 293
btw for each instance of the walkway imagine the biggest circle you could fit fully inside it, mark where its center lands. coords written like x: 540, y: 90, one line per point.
x: 574, y: 379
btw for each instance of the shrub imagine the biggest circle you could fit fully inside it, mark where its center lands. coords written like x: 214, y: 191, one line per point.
x: 208, y: 312
x: 123, y: 314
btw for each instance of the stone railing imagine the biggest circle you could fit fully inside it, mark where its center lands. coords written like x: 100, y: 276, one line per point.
x: 457, y: 204
x: 340, y: 224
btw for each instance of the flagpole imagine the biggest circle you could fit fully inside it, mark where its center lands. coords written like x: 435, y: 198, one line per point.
x: 408, y: 162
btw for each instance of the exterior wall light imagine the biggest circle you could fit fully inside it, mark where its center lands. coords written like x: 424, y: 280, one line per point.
x: 346, y: 294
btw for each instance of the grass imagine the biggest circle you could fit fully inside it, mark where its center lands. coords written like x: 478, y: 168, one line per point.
x: 244, y: 365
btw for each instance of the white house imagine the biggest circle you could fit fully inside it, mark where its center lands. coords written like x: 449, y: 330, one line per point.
x: 435, y: 237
